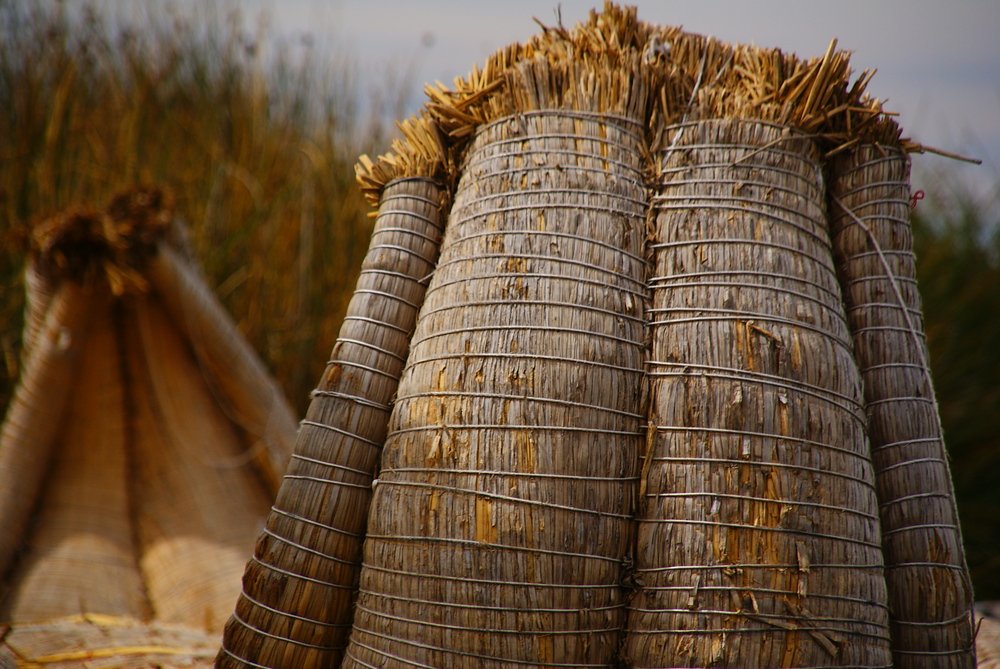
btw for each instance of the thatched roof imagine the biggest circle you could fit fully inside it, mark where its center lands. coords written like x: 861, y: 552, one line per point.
x: 144, y: 440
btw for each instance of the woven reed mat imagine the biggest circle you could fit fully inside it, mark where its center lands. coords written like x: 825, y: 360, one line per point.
x: 34, y: 416
x: 127, y: 478
x: 104, y: 642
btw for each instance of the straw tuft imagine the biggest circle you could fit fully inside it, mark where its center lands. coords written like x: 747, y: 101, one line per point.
x: 113, y: 244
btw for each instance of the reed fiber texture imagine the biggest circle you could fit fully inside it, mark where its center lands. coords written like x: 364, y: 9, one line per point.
x: 240, y: 384
x: 758, y: 539
x: 930, y: 593
x: 105, y: 642
x: 132, y: 489
x: 82, y: 556
x: 39, y: 292
x: 195, y: 502
x: 298, y: 589
x: 30, y: 427
x: 501, y: 520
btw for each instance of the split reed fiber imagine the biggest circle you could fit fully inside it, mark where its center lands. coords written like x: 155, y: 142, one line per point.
x: 132, y: 487
x: 930, y: 594
x: 501, y: 516
x: 298, y: 589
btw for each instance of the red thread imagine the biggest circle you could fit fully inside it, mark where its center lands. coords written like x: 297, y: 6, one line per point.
x: 916, y: 197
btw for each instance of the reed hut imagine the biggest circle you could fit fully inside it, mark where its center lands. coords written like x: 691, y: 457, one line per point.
x: 143, y: 442
x: 626, y: 424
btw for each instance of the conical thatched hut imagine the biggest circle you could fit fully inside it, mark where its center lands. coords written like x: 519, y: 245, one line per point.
x: 633, y: 422
x: 142, y: 445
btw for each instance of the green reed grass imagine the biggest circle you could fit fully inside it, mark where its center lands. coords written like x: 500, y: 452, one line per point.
x: 256, y: 142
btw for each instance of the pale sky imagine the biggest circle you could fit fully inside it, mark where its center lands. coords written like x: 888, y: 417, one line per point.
x: 938, y: 62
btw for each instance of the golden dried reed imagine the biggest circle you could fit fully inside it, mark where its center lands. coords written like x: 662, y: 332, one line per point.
x: 758, y: 541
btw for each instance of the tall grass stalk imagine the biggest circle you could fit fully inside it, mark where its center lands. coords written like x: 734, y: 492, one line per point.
x: 257, y: 143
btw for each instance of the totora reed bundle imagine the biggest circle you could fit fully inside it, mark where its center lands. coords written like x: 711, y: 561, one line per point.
x: 298, y: 589
x: 930, y: 594
x: 135, y: 467
x: 502, y: 512
x: 626, y: 422
x: 758, y: 538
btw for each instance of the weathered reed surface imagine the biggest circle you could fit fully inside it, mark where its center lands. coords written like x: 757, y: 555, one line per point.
x: 241, y: 385
x: 501, y: 518
x: 298, y: 589
x: 758, y: 540
x: 196, y: 505
x: 930, y: 592
x: 105, y: 642
x: 82, y: 558
x: 31, y: 424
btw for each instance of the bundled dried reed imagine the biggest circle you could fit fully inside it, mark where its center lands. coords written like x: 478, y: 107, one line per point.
x: 930, y: 593
x: 500, y: 523
x: 758, y: 540
x: 434, y: 140
x: 145, y: 506
x: 490, y: 542
x: 298, y: 589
